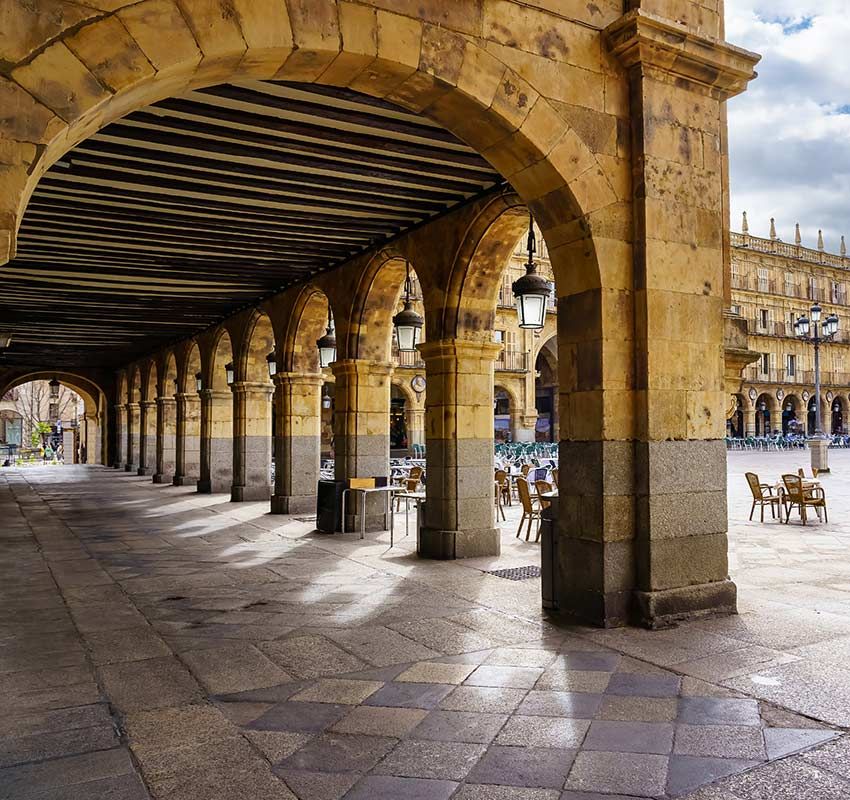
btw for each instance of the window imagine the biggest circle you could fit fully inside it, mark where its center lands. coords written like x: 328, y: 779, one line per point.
x: 764, y: 280
x: 792, y: 318
x: 765, y: 363
x: 813, y: 289
x: 764, y: 318
x: 511, y: 341
x: 837, y: 292
x: 498, y: 336
x: 791, y: 365
x: 736, y: 310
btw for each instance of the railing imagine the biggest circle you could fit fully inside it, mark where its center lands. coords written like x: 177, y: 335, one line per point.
x: 512, y: 361
x: 757, y: 375
x: 789, y: 250
x: 801, y: 377
x: 755, y: 328
x: 407, y: 360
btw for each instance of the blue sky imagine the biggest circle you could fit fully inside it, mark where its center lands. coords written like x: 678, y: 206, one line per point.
x: 789, y: 134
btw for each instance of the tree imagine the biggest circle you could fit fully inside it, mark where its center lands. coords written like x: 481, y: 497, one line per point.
x: 39, y: 432
x: 32, y: 402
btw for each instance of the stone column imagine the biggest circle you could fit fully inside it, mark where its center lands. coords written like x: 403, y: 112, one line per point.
x: 297, y: 399
x: 252, y: 441
x: 121, y: 436
x: 680, y: 202
x: 188, y: 453
x: 147, y: 438
x: 361, y: 427
x: 523, y: 425
x: 166, y: 444
x: 134, y: 436
x: 749, y: 421
x: 92, y: 439
x: 216, y: 448
x: 459, y: 510
x: 414, y: 418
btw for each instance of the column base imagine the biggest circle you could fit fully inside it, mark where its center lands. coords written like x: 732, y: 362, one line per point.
x: 669, y: 606
x: 163, y: 477
x: 441, y: 544
x: 249, y: 494
x: 285, y: 504
x: 213, y: 487
x: 184, y: 480
x: 609, y: 610
x: 144, y: 471
x: 131, y: 467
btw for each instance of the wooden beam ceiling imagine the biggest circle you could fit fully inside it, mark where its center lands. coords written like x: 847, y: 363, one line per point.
x: 172, y: 218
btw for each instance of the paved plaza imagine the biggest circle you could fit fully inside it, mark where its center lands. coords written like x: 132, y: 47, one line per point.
x: 160, y: 643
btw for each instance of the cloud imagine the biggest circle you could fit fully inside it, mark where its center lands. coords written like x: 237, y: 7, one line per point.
x: 789, y: 134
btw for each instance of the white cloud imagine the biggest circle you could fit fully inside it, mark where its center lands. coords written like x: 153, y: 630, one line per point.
x: 789, y: 134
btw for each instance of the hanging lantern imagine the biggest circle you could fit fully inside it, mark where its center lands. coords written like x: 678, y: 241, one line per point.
x: 271, y: 360
x: 326, y: 397
x: 532, y: 291
x: 327, y: 344
x: 230, y: 373
x: 408, y: 324
x: 199, y: 381
x: 54, y: 389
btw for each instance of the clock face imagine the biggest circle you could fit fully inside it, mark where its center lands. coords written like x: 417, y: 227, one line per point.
x: 418, y: 383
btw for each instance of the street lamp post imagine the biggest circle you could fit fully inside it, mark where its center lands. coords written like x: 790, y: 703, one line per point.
x: 818, y: 332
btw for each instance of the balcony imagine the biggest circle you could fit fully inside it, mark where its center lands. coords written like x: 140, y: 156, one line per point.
x: 407, y: 360
x: 512, y: 361
x: 757, y: 375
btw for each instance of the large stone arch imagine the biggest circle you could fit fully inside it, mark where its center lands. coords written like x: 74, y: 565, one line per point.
x: 95, y: 425
x: 67, y: 90
x: 216, y: 423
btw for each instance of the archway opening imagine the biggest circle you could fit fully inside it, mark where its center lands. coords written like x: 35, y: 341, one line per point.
x: 764, y: 415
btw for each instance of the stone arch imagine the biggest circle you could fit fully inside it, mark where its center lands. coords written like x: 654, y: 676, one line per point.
x: 94, y: 426
x: 838, y: 414
x: 150, y: 380
x: 191, y: 366
x: 168, y: 385
x: 134, y: 389
x: 767, y: 413
x: 220, y: 354
x: 258, y: 342
x: 63, y: 95
x: 305, y: 321
x: 121, y: 387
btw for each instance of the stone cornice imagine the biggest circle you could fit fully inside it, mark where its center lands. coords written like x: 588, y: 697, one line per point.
x: 642, y: 38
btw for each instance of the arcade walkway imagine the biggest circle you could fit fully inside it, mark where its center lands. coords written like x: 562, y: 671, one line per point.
x: 155, y: 642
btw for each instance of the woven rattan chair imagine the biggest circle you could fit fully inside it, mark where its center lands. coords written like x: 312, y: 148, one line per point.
x: 802, y: 496
x: 530, y: 509
x: 763, y: 496
x: 542, y: 487
x: 504, y: 486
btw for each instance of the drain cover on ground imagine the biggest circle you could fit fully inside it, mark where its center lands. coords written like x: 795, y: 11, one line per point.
x: 516, y: 573
x: 306, y: 519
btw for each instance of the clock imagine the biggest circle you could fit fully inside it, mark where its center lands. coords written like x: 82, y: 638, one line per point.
x: 418, y: 383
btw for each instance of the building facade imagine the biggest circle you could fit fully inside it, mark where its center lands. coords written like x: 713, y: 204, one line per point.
x: 773, y: 284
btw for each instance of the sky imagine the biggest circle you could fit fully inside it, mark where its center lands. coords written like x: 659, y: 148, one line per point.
x: 789, y: 133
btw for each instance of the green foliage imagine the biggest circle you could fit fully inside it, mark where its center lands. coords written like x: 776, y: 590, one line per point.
x: 40, y: 430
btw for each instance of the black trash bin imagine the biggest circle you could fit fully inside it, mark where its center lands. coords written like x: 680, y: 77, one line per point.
x: 329, y: 506
x: 549, y: 554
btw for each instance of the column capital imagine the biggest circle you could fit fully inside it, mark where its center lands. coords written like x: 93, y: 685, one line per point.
x: 132, y: 406
x: 358, y: 366
x: 183, y: 397
x: 459, y: 349
x: 248, y: 387
x: 643, y: 38
x: 147, y: 403
x: 305, y: 378
x: 161, y: 401
x: 214, y: 394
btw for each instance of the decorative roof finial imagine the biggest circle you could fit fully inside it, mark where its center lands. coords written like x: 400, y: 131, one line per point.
x: 843, y: 249
x: 820, y: 240
x: 772, y: 228
x: 745, y: 228
x: 798, y: 240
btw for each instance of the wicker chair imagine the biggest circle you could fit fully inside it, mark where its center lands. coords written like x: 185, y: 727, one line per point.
x: 504, y: 486
x: 530, y: 509
x: 763, y: 496
x: 802, y: 496
x: 541, y: 487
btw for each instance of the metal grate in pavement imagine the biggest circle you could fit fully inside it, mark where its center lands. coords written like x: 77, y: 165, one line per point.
x: 516, y: 573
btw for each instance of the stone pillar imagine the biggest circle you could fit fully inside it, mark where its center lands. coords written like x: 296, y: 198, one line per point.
x: 121, y: 436
x: 414, y: 418
x: 297, y: 442
x: 216, y: 448
x: 166, y: 443
x: 147, y: 438
x: 92, y: 439
x: 459, y: 510
x: 252, y: 441
x: 188, y: 444
x: 680, y: 202
x: 749, y: 421
x: 523, y: 426
x: 134, y: 436
x: 361, y: 427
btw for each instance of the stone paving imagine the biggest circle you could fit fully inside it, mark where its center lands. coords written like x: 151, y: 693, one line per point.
x: 159, y: 643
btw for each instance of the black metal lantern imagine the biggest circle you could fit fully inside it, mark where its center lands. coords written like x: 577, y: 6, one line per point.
x: 326, y: 397
x: 327, y: 344
x: 271, y: 360
x: 54, y: 389
x: 199, y: 381
x: 229, y: 373
x: 802, y: 326
x: 830, y: 327
x: 532, y: 291
x: 408, y: 324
